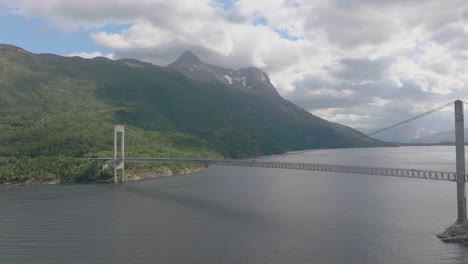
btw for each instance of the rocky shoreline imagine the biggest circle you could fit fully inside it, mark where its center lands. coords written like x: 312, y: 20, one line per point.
x: 457, y: 233
x: 131, y: 176
x: 161, y: 172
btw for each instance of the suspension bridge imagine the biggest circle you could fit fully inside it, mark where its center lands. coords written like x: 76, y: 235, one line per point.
x: 118, y: 160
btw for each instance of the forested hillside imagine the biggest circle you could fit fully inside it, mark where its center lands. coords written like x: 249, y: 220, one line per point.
x: 56, y: 110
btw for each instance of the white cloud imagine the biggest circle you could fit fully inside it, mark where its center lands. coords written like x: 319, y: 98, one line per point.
x: 334, y: 115
x: 331, y: 92
x: 379, y: 102
x: 90, y: 55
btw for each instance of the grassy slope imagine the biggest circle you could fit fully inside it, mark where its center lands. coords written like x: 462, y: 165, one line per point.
x: 55, y: 109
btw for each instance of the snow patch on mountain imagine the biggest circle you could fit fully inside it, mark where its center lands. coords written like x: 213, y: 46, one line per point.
x: 228, y: 78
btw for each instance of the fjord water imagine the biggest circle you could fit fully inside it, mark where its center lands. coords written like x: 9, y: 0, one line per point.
x: 242, y: 215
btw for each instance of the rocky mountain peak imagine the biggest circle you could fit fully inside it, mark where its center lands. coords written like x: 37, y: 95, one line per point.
x: 250, y: 79
x: 188, y: 58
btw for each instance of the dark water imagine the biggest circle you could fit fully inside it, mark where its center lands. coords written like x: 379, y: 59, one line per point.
x: 242, y: 215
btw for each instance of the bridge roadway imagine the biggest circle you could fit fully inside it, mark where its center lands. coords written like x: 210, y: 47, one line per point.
x: 394, y: 172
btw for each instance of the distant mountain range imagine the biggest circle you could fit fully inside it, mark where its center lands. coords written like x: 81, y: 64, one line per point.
x: 437, y: 138
x: 54, y: 106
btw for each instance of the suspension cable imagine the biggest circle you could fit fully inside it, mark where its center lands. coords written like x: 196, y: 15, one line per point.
x: 411, y: 119
x: 98, y: 148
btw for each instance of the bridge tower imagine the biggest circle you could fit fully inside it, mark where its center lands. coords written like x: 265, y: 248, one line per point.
x: 460, y: 159
x: 119, y: 163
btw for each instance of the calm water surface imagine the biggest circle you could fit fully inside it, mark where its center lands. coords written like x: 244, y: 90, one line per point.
x: 242, y: 215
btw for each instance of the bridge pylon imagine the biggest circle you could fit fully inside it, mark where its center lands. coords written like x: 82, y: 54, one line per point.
x: 119, y: 163
x: 460, y: 160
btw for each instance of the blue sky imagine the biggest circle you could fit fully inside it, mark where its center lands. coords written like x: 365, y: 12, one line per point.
x: 225, y: 4
x: 36, y: 36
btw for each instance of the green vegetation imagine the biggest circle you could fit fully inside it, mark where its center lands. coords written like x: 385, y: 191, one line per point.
x: 459, y: 234
x: 50, y: 169
x: 56, y: 110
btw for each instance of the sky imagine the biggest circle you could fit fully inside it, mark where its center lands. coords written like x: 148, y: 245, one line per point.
x: 363, y: 63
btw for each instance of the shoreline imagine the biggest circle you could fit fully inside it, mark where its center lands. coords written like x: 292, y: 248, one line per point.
x: 161, y: 172
x: 457, y: 233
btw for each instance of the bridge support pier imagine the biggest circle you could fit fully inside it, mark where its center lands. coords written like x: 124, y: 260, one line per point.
x: 460, y: 159
x: 105, y: 165
x: 119, y: 164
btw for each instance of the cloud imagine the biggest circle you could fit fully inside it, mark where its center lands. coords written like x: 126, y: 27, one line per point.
x: 361, y: 70
x: 90, y: 55
x: 360, y: 62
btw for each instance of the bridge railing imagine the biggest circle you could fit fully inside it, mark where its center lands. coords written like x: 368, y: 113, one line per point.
x: 394, y: 172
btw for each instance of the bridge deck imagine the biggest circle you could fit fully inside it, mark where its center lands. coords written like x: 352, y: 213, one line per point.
x: 394, y: 172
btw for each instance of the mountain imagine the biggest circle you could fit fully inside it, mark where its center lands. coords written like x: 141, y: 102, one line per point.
x: 54, y: 109
x: 289, y: 122
x: 248, y: 79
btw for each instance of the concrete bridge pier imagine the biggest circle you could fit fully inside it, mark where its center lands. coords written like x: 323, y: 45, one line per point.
x: 105, y: 165
x: 456, y: 232
x: 119, y: 164
x: 460, y: 159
